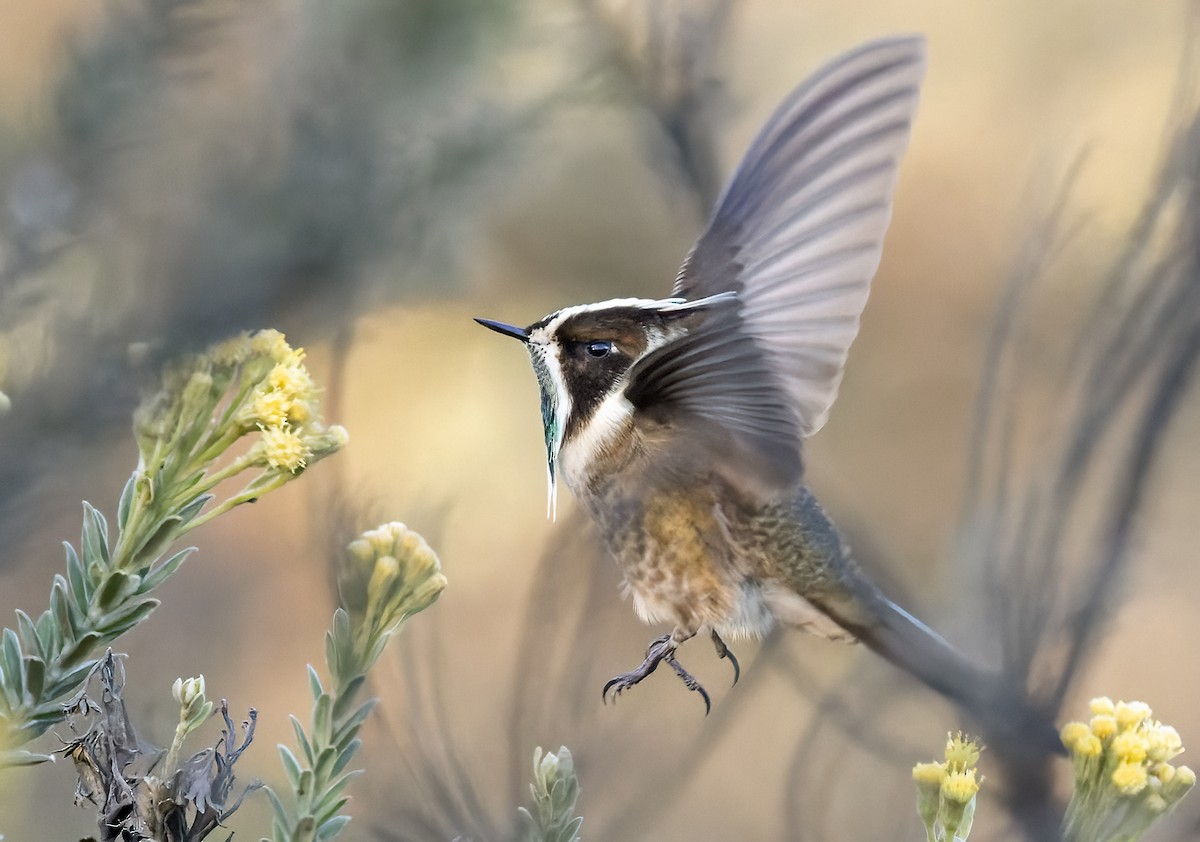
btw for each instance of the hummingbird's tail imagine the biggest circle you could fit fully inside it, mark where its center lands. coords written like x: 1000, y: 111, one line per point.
x: 1004, y: 711
x: 997, y: 702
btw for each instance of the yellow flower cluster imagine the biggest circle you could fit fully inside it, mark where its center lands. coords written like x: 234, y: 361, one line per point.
x: 946, y: 790
x: 389, y: 574
x: 283, y: 403
x: 1123, y: 774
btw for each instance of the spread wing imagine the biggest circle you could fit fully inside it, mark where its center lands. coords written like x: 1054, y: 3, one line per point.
x: 797, y: 235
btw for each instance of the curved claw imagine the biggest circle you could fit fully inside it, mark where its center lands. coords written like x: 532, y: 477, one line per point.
x: 723, y: 651
x: 662, y: 649
x: 658, y: 650
x: 690, y: 681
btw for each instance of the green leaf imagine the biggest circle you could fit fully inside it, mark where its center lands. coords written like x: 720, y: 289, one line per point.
x: 341, y: 626
x: 48, y: 633
x: 41, y: 721
x: 345, y: 755
x: 94, y: 543
x: 332, y: 661
x: 333, y: 791
x: 20, y: 757
x: 122, y: 621
x: 304, y: 786
x: 197, y: 719
x: 305, y: 830
x: 314, y: 683
x: 291, y: 766
x: 155, y: 542
x: 161, y: 572
x: 80, y: 649
x: 571, y: 831
x: 69, y: 682
x: 61, y: 607
x: 11, y: 670
x: 115, y: 588
x: 325, y: 760
x: 29, y: 634
x: 35, y: 677
x: 328, y: 811
x: 346, y: 730
x: 281, y: 812
x: 332, y: 827
x: 126, y: 501
x: 302, y: 739
x: 322, y: 731
x: 189, y: 512
x: 346, y: 697
x: 81, y: 589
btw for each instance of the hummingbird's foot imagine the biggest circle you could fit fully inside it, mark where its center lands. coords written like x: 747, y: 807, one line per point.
x: 724, y: 652
x: 690, y: 681
x: 662, y: 649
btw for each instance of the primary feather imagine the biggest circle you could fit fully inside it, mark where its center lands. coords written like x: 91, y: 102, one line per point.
x: 797, y: 235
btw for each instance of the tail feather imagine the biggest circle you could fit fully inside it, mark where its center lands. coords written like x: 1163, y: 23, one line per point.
x: 1003, y: 711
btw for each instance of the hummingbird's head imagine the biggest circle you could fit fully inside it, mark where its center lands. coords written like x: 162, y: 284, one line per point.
x: 581, y: 356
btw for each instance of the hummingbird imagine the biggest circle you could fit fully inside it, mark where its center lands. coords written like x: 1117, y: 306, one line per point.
x: 679, y: 423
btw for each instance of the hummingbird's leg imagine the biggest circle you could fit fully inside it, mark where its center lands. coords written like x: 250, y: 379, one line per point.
x: 724, y: 652
x: 657, y: 651
x: 689, y: 680
x: 662, y: 649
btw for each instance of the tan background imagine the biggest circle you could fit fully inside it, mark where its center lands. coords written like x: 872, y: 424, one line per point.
x: 445, y: 431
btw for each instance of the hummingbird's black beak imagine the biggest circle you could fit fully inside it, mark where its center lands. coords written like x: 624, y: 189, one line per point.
x: 507, y: 330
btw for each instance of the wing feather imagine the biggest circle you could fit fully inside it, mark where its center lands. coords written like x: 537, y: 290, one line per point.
x: 797, y: 235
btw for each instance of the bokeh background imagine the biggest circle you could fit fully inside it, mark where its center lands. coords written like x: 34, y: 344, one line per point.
x: 367, y: 175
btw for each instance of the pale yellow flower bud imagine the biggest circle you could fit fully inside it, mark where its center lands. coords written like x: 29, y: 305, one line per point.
x: 186, y: 692
x: 1162, y: 742
x: 1131, y: 714
x: 270, y: 343
x: 961, y: 752
x: 301, y: 411
x: 197, y: 395
x: 1088, y: 746
x: 960, y: 786
x: 1179, y: 785
x: 1129, y: 746
x: 361, y: 550
x: 293, y: 381
x: 232, y: 351
x: 1102, y: 706
x: 284, y: 450
x: 1129, y: 778
x: 324, y: 441
x: 1104, y: 726
x: 929, y: 774
x: 1165, y: 772
x: 1072, y: 733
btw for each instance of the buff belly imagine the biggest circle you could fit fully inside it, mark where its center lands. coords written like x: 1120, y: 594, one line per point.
x: 674, y: 557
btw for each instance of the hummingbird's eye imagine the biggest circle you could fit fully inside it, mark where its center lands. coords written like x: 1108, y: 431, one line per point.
x: 599, y: 349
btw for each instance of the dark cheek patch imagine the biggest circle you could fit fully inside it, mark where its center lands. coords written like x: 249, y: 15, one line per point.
x: 590, y: 379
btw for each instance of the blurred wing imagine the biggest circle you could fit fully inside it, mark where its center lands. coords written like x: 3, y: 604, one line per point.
x: 797, y: 234
x: 715, y: 385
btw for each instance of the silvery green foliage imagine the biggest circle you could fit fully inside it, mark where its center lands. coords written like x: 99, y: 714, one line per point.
x: 388, y: 575
x: 206, y: 405
x: 555, y: 790
x: 93, y: 604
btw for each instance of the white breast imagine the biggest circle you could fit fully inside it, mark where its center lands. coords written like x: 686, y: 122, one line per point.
x: 587, y: 448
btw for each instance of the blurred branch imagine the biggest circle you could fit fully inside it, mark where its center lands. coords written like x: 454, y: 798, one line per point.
x: 664, y: 54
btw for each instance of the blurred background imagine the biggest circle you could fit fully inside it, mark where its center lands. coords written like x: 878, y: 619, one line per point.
x: 368, y: 175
